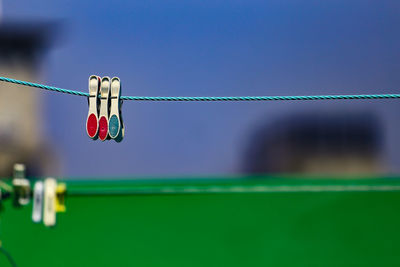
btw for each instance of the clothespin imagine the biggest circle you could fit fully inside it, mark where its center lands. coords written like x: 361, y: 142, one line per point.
x: 92, y: 122
x: 116, y: 124
x: 104, y: 108
x: 49, y: 212
x: 21, y: 186
x: 37, y: 207
x: 60, y: 197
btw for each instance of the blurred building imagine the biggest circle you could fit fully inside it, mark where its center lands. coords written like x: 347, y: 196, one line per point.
x: 314, y: 143
x: 22, y: 138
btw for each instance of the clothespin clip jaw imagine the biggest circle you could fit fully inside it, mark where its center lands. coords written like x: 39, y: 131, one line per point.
x: 116, y: 125
x: 92, y: 122
x: 104, y: 108
x: 21, y: 186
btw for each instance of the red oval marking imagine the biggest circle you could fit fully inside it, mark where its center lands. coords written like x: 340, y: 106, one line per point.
x: 103, y: 128
x: 91, y: 125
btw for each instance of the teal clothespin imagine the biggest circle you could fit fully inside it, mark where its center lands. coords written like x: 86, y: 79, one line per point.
x: 116, y: 125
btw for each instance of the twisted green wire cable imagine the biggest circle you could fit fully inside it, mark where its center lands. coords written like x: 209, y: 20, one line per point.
x: 209, y: 98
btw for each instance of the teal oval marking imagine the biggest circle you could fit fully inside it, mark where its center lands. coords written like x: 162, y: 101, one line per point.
x: 113, y: 125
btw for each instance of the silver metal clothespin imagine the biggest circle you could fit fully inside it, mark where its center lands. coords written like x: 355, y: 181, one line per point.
x: 104, y: 108
x: 21, y: 186
x: 116, y: 124
x: 92, y: 122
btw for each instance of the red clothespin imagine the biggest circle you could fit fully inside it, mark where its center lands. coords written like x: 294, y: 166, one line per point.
x: 92, y: 122
x: 104, y: 108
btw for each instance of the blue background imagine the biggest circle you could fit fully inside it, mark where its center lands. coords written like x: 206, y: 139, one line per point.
x: 210, y: 48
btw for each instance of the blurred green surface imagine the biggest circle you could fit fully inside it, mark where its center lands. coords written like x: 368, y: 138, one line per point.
x: 229, y: 229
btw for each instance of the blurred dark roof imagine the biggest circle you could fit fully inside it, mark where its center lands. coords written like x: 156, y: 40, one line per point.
x: 297, y: 138
x: 28, y: 36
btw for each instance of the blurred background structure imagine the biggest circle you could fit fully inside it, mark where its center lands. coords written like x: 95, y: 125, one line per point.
x: 213, y: 48
x: 22, y: 138
x: 338, y: 143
